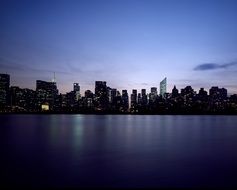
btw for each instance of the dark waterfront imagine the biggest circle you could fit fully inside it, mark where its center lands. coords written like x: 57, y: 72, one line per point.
x: 118, y: 151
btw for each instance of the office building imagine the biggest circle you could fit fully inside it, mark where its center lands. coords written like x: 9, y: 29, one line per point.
x: 218, y: 93
x: 163, y: 85
x: 134, y: 100
x: 175, y: 92
x: 101, y: 96
x: 76, y: 89
x: 125, y: 101
x: 46, y: 93
x: 144, y: 100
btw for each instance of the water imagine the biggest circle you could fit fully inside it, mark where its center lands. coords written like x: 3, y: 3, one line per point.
x: 118, y: 151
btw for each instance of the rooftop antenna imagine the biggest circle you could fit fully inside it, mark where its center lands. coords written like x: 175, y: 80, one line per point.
x: 54, y: 78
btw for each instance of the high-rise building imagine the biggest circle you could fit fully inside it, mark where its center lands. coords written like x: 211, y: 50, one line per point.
x: 144, y: 97
x: 153, y: 94
x: 139, y: 99
x: 76, y: 89
x: 202, y: 95
x: 125, y: 101
x: 113, y: 94
x: 187, y: 92
x: 101, y: 95
x: 134, y: 100
x: 46, y: 93
x: 175, y: 92
x: 202, y: 92
x: 163, y: 85
x: 154, y: 91
x: 218, y: 93
x: 4, y: 89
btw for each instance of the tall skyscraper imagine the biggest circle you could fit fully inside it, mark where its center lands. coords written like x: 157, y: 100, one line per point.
x: 125, y: 101
x: 76, y: 89
x: 153, y: 94
x: 163, y: 85
x: 4, y: 89
x: 144, y: 97
x: 46, y: 93
x: 134, y: 100
x: 101, y: 95
x: 112, y: 96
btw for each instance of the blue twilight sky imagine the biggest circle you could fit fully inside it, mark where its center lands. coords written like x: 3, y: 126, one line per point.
x: 128, y: 43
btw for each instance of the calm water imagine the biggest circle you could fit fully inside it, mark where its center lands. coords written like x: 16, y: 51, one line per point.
x: 118, y: 151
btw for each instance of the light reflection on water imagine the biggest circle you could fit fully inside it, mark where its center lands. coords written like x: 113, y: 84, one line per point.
x: 119, y: 150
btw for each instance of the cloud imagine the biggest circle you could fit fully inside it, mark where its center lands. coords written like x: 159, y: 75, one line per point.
x: 7, y: 65
x: 213, y: 66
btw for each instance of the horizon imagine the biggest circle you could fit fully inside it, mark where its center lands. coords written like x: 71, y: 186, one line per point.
x: 130, y: 44
x: 129, y: 91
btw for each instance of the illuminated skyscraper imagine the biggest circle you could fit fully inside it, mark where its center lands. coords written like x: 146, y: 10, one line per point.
x: 163, y: 85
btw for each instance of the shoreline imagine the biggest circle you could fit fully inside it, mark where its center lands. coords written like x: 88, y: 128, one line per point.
x: 77, y: 113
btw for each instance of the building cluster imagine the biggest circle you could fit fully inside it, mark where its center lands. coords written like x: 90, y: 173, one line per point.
x: 46, y: 98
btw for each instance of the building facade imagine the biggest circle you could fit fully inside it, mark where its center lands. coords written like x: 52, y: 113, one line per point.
x: 163, y: 85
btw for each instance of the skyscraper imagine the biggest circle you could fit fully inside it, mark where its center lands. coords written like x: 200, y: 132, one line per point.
x: 153, y: 94
x: 133, y: 100
x: 46, y: 93
x: 175, y: 92
x: 154, y: 91
x: 4, y: 89
x: 76, y: 89
x: 218, y: 93
x: 125, y: 101
x: 144, y: 97
x: 163, y: 85
x: 101, y: 95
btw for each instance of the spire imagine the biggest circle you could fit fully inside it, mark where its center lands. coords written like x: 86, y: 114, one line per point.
x: 54, y: 78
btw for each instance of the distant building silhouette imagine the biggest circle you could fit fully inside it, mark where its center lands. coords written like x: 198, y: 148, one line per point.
x: 4, y: 89
x: 153, y: 95
x: 109, y: 100
x: 144, y: 99
x: 101, y: 96
x: 134, y: 100
x: 218, y: 93
x: 125, y: 101
x: 175, y: 92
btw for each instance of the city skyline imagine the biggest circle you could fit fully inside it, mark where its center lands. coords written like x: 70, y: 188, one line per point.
x: 77, y: 85
x: 131, y: 44
x: 106, y: 99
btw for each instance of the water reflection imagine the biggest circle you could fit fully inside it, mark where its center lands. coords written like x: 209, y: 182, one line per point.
x: 120, y: 151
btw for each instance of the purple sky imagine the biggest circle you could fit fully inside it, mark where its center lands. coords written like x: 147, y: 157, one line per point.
x: 130, y: 44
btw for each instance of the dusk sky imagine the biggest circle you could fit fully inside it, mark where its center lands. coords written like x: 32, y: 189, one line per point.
x: 131, y: 44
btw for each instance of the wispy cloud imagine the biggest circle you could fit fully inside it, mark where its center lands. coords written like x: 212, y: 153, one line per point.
x: 8, y: 65
x: 213, y: 66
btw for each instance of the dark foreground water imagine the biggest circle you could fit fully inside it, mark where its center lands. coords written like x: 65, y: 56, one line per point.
x: 118, y: 151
